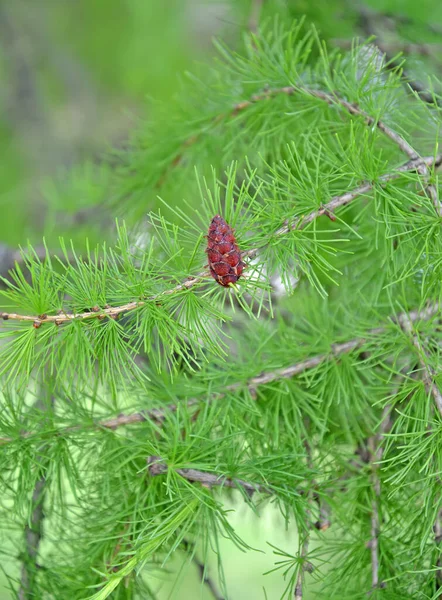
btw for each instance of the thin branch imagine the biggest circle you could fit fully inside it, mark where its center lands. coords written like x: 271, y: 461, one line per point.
x: 428, y: 376
x: 303, y: 567
x: 33, y: 535
x: 336, y: 350
x: 304, y: 564
x: 338, y: 201
x: 299, y: 223
x: 290, y: 90
x: 367, y: 21
x: 332, y: 100
x: 406, y: 324
x: 157, y: 466
x: 33, y: 530
x: 375, y: 453
x: 202, y: 571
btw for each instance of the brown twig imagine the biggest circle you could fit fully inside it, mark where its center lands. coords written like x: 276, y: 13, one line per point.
x: 290, y: 90
x: 299, y: 223
x: 344, y: 199
x: 33, y: 535
x: 304, y: 566
x: 202, y: 571
x: 33, y: 530
x: 339, y: 349
x: 157, y: 466
x: 375, y: 453
x: 406, y: 324
x: 332, y: 100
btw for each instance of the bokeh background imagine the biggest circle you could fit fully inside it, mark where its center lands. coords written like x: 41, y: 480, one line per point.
x: 78, y: 80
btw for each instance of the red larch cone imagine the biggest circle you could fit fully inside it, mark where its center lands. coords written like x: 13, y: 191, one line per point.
x: 223, y: 253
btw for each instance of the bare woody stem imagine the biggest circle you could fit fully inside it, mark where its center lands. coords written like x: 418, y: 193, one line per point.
x: 157, y: 466
x: 354, y: 110
x: 413, y: 165
x: 339, y: 349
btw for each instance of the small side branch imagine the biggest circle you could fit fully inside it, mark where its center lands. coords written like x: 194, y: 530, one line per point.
x: 34, y: 528
x: 331, y: 99
x: 157, y: 466
x: 406, y: 324
x: 375, y: 453
x: 303, y: 567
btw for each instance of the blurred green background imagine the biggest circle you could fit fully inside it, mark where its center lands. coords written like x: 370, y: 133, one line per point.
x: 77, y: 79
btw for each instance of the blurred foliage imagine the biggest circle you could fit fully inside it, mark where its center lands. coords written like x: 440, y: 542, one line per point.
x: 77, y: 77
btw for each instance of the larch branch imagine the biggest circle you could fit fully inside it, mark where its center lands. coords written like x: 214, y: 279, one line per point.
x: 157, y: 466
x: 33, y: 535
x: 375, y: 453
x: 158, y: 414
x: 33, y: 530
x: 406, y: 324
x: 413, y: 165
x: 302, y: 568
x: 303, y: 564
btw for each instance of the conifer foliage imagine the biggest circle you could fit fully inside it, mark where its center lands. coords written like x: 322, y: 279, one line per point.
x: 139, y: 394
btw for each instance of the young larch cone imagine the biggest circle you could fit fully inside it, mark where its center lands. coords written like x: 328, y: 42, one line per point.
x: 223, y: 253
